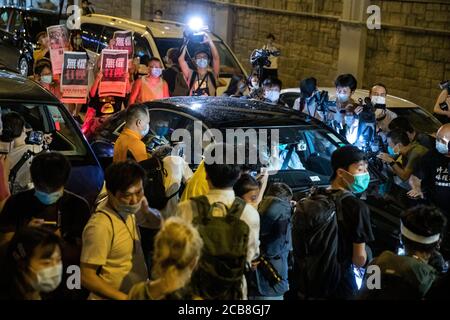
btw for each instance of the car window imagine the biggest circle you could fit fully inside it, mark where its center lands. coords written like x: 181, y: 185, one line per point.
x: 289, y: 98
x: 50, y: 119
x: 17, y: 22
x: 141, y: 46
x: 4, y: 19
x: 421, y: 120
x: 91, y: 34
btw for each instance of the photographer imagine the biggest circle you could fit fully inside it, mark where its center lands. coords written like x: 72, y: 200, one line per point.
x: 202, y: 82
x: 270, y: 71
x: 307, y: 103
x: 377, y: 95
x: 272, y: 89
x: 442, y: 106
x: 403, y: 155
x: 14, y: 131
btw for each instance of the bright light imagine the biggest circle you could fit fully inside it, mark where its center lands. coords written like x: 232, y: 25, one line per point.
x: 196, y: 24
x: 196, y: 106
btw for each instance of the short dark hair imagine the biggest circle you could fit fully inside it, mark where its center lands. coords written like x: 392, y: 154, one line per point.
x: 398, y: 136
x: 224, y: 175
x: 158, y: 12
x: 280, y: 190
x: 308, y: 86
x: 378, y: 84
x: 270, y: 36
x: 13, y: 124
x: 245, y: 184
x: 273, y: 82
x: 41, y: 65
x: 154, y: 59
x: 424, y: 221
x: 120, y: 176
x: 346, y: 80
x: 402, y: 124
x: 50, y: 170
x: 344, y: 157
x: 136, y: 111
x: 40, y: 35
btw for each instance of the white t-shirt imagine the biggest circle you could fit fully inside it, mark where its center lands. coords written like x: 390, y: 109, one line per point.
x: 116, y: 247
x: 178, y: 172
x: 23, y: 178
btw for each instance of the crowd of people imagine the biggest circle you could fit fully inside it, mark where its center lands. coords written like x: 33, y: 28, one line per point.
x: 159, y: 231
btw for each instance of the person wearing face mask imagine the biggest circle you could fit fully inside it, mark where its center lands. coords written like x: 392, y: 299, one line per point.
x: 150, y: 87
x: 431, y: 179
x: 345, y: 87
x: 256, y: 90
x: 202, y: 81
x: 32, y: 266
x: 49, y: 205
x: 44, y: 76
x: 237, y: 87
x: 307, y: 103
x: 272, y: 89
x: 112, y: 259
x: 384, y: 116
x: 403, y: 156
x: 129, y: 145
x: 351, y: 175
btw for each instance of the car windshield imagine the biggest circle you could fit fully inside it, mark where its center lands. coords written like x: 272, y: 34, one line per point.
x: 228, y: 64
x: 302, y: 155
x: 50, y: 119
x: 421, y: 120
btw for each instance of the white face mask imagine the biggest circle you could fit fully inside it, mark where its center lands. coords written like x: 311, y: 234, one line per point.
x: 343, y: 97
x: 202, y: 63
x: 378, y: 100
x: 146, y: 130
x: 272, y: 95
x: 255, y: 84
x: 156, y: 72
x: 48, y: 279
x: 47, y: 79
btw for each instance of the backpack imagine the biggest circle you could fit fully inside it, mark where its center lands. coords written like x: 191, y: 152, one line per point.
x: 315, y: 235
x: 180, y: 87
x: 154, y: 188
x: 223, y: 260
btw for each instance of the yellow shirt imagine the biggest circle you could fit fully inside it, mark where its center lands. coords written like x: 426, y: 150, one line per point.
x: 129, y: 140
x: 197, y: 185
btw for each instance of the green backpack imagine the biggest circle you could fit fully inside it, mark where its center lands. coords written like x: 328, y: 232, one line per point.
x: 222, y: 263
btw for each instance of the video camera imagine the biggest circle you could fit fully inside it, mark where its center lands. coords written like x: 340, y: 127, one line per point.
x: 323, y: 101
x: 35, y: 138
x: 196, y: 30
x: 445, y: 85
x: 260, y: 57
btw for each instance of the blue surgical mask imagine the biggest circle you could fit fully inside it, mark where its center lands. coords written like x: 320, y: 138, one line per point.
x: 156, y: 72
x: 48, y: 79
x: 48, y: 198
x: 273, y: 95
x: 441, y: 147
x: 360, y: 183
x: 162, y: 131
x: 202, y: 63
x: 343, y: 97
x: 392, y: 152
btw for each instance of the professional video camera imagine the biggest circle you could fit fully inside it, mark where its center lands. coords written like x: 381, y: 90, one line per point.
x: 196, y: 30
x: 445, y: 85
x: 260, y: 57
x: 35, y: 138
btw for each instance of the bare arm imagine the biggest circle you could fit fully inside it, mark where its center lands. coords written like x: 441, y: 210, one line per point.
x: 183, y: 64
x: 416, y: 187
x: 215, y: 56
x: 91, y: 281
x: 442, y: 98
x: 135, y: 92
x: 359, y: 254
x: 96, y: 83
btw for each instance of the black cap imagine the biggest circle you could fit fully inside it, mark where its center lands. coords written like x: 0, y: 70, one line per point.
x: 344, y: 157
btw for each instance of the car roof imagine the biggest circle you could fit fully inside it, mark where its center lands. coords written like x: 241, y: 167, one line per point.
x: 223, y: 112
x: 391, y: 101
x: 158, y: 28
x: 11, y: 84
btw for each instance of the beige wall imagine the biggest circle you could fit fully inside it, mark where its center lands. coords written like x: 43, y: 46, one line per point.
x: 411, y: 63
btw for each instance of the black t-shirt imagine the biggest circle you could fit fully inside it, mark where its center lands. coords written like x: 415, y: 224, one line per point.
x: 354, y: 228
x: 170, y: 75
x: 71, y: 212
x: 433, y: 170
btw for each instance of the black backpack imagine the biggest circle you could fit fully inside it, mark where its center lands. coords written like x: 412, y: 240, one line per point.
x: 315, y: 235
x: 154, y: 189
x: 225, y: 240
